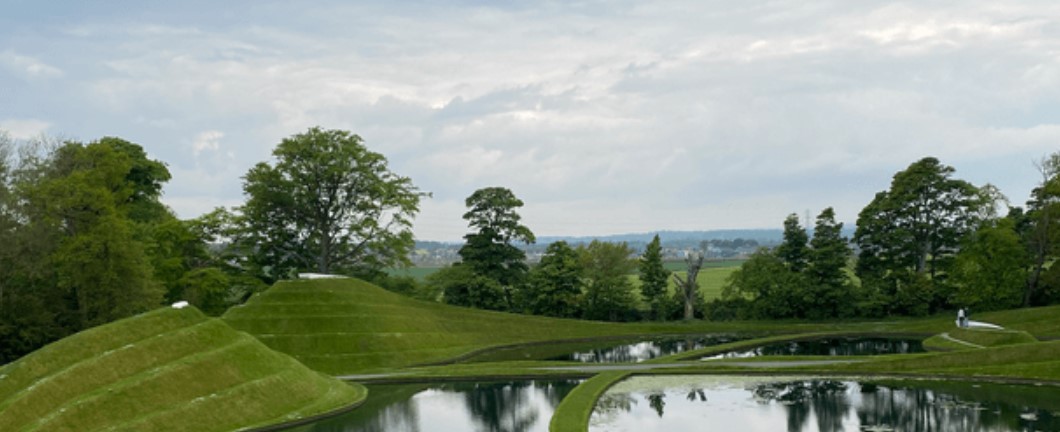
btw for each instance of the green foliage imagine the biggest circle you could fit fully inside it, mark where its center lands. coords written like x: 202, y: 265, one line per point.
x: 85, y: 196
x: 609, y: 293
x: 768, y: 282
x: 992, y: 268
x: 461, y: 286
x: 328, y: 204
x: 554, y: 287
x: 88, y: 242
x: 653, y: 277
x: 829, y: 287
x: 793, y: 250
x: 489, y: 251
x: 909, y: 234
x: 1039, y: 228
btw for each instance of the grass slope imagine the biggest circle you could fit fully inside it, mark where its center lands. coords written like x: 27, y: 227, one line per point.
x: 168, y: 369
x: 345, y: 326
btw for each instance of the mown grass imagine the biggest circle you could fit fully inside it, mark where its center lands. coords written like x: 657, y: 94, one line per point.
x: 347, y: 326
x: 577, y: 406
x: 981, y: 337
x: 164, y: 370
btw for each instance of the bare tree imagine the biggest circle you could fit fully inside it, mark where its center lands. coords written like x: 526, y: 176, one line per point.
x: 689, y: 287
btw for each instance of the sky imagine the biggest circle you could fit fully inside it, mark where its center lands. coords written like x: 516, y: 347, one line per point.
x: 603, y: 117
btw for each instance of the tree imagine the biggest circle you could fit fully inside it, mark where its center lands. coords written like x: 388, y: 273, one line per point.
x: 688, y: 288
x: 461, y: 286
x: 793, y: 249
x: 329, y: 204
x: 991, y: 269
x: 909, y: 234
x: 828, y: 280
x: 85, y: 196
x: 1040, y: 226
x: 609, y: 292
x: 489, y: 251
x: 653, y: 277
x: 555, y: 285
x: 773, y: 289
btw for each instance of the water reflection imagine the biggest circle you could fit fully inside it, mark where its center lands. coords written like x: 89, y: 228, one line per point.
x: 733, y: 403
x: 613, y: 351
x: 830, y: 347
x: 520, y: 406
x: 645, y: 350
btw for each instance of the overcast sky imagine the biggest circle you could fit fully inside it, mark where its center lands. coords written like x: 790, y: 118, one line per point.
x: 604, y: 117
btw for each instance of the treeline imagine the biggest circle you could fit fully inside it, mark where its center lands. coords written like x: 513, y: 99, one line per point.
x: 590, y: 281
x: 929, y: 243
x: 84, y: 240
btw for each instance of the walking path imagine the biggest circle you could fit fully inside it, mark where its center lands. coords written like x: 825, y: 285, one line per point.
x: 597, y: 368
x: 650, y: 366
x: 966, y: 343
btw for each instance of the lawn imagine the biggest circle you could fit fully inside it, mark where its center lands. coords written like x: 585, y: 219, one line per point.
x: 168, y: 369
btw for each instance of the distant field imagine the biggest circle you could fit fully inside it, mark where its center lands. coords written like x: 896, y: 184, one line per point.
x: 711, y: 280
x: 418, y: 273
x: 676, y: 266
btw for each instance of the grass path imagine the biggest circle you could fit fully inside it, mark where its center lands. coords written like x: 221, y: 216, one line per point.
x: 955, y: 340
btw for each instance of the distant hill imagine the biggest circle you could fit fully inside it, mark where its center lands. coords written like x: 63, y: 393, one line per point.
x: 766, y: 236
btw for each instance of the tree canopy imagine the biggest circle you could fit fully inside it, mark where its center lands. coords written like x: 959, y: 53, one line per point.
x: 329, y: 204
x: 488, y: 249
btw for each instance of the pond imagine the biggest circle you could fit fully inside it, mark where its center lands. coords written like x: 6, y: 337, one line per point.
x: 851, y: 346
x: 610, y: 351
x: 520, y: 406
x: 675, y: 403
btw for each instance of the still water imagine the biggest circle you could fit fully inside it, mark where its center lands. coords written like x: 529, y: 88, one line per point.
x: 830, y: 347
x: 518, y: 406
x: 691, y: 403
x: 613, y: 351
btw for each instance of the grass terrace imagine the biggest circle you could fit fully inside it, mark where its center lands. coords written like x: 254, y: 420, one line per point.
x: 169, y: 369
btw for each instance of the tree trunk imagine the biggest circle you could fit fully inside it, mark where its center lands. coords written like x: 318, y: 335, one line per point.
x: 688, y: 287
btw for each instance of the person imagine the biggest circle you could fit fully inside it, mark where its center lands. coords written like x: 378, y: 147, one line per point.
x: 962, y: 321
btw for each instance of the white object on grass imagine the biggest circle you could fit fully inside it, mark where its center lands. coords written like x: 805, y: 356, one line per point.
x: 319, y: 276
x: 980, y: 324
x: 180, y: 305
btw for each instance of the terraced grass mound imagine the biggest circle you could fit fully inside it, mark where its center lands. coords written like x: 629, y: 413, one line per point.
x: 169, y: 369
x: 960, y: 338
x: 1043, y: 322
x: 346, y: 326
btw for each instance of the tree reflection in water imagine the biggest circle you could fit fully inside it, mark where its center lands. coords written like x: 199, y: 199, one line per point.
x: 517, y: 406
x: 825, y: 405
x: 657, y: 401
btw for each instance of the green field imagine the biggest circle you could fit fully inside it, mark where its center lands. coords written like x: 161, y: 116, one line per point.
x: 418, y: 273
x: 168, y: 369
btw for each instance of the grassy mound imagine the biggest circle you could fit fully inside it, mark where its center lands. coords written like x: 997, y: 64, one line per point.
x: 345, y: 326
x: 168, y: 369
x: 977, y: 338
x: 1039, y: 321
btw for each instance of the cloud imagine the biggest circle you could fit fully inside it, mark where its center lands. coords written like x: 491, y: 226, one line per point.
x: 21, y: 129
x: 208, y: 140
x: 28, y: 67
x: 629, y: 116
